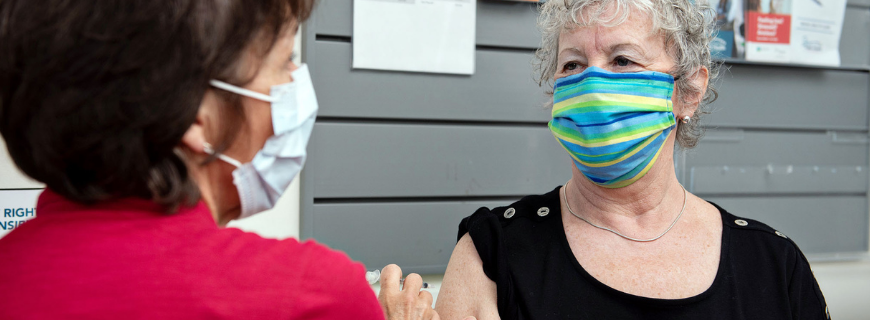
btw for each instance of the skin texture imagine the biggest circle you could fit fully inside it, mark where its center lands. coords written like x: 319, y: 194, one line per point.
x: 681, y: 264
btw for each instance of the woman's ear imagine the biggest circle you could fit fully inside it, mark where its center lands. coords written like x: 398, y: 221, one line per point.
x: 700, y: 80
x: 194, y: 139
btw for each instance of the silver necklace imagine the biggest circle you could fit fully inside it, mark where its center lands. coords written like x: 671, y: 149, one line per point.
x: 565, y: 197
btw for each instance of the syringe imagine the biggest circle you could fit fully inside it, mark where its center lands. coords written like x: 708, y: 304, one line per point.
x: 374, y: 276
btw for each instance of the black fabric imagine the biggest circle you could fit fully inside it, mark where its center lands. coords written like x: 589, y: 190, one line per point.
x: 761, y: 275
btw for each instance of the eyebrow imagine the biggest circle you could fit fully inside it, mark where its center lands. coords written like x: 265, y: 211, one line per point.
x: 628, y: 47
x: 570, y: 50
x: 575, y: 50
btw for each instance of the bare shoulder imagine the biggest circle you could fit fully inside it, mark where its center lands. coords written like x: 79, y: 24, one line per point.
x: 466, y: 290
x: 708, y: 215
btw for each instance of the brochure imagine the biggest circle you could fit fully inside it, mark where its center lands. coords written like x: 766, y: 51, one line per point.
x: 794, y: 31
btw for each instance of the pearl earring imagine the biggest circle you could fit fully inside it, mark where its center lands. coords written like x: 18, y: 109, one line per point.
x: 686, y: 119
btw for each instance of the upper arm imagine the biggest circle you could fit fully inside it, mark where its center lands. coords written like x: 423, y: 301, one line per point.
x: 466, y: 290
x: 806, y: 298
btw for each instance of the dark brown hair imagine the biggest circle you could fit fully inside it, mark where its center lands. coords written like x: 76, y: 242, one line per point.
x: 95, y: 95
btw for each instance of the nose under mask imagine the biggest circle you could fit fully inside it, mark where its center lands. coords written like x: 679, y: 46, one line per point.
x: 614, y: 125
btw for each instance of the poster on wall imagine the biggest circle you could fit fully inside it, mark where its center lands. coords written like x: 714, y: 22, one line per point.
x: 794, y: 31
x: 815, y: 31
x: 729, y: 18
x: 17, y: 207
x: 768, y: 30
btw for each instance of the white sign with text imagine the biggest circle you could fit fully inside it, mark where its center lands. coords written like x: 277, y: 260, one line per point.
x: 16, y: 207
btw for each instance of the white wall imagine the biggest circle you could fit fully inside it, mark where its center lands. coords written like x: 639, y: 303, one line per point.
x: 846, y: 286
x: 10, y: 176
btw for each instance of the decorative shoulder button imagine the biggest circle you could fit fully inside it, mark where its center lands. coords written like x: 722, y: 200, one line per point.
x: 543, y: 211
x: 741, y: 222
x: 780, y: 234
x: 509, y: 213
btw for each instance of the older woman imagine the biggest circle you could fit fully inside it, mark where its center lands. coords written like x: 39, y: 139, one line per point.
x: 152, y: 123
x: 622, y: 239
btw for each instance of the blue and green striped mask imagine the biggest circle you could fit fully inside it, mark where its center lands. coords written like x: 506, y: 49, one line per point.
x: 614, y: 125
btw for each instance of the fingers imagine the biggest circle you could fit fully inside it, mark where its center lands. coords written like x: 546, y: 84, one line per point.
x: 408, y: 302
x: 423, y: 305
x: 390, y: 276
x: 417, y: 300
x: 413, y: 283
x: 424, y: 298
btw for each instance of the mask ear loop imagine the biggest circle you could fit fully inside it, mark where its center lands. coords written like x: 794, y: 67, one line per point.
x: 208, y: 149
x: 242, y: 91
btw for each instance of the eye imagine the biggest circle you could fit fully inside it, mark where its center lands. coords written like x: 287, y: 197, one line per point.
x: 622, y: 61
x: 293, y: 56
x: 571, y: 66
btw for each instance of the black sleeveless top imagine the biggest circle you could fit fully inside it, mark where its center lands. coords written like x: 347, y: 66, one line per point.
x: 762, y: 274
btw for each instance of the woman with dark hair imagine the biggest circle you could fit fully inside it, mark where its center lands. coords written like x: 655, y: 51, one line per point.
x: 149, y: 121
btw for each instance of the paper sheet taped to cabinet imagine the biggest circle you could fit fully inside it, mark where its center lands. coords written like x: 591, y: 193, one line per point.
x: 436, y: 36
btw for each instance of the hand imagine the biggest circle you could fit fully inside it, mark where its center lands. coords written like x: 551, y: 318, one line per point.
x: 407, y: 302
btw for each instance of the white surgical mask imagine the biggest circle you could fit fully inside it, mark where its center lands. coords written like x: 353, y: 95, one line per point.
x: 262, y: 181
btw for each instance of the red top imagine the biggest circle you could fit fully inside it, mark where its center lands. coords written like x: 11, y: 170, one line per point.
x: 127, y: 259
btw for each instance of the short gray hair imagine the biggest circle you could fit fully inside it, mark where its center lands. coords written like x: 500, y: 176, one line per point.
x: 687, y: 27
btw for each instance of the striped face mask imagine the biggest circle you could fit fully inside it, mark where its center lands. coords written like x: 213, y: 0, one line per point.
x: 614, y: 125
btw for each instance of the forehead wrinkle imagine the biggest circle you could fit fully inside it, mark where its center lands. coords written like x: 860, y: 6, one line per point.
x: 568, y: 38
x: 631, y: 36
x: 628, y: 46
x: 613, y: 16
